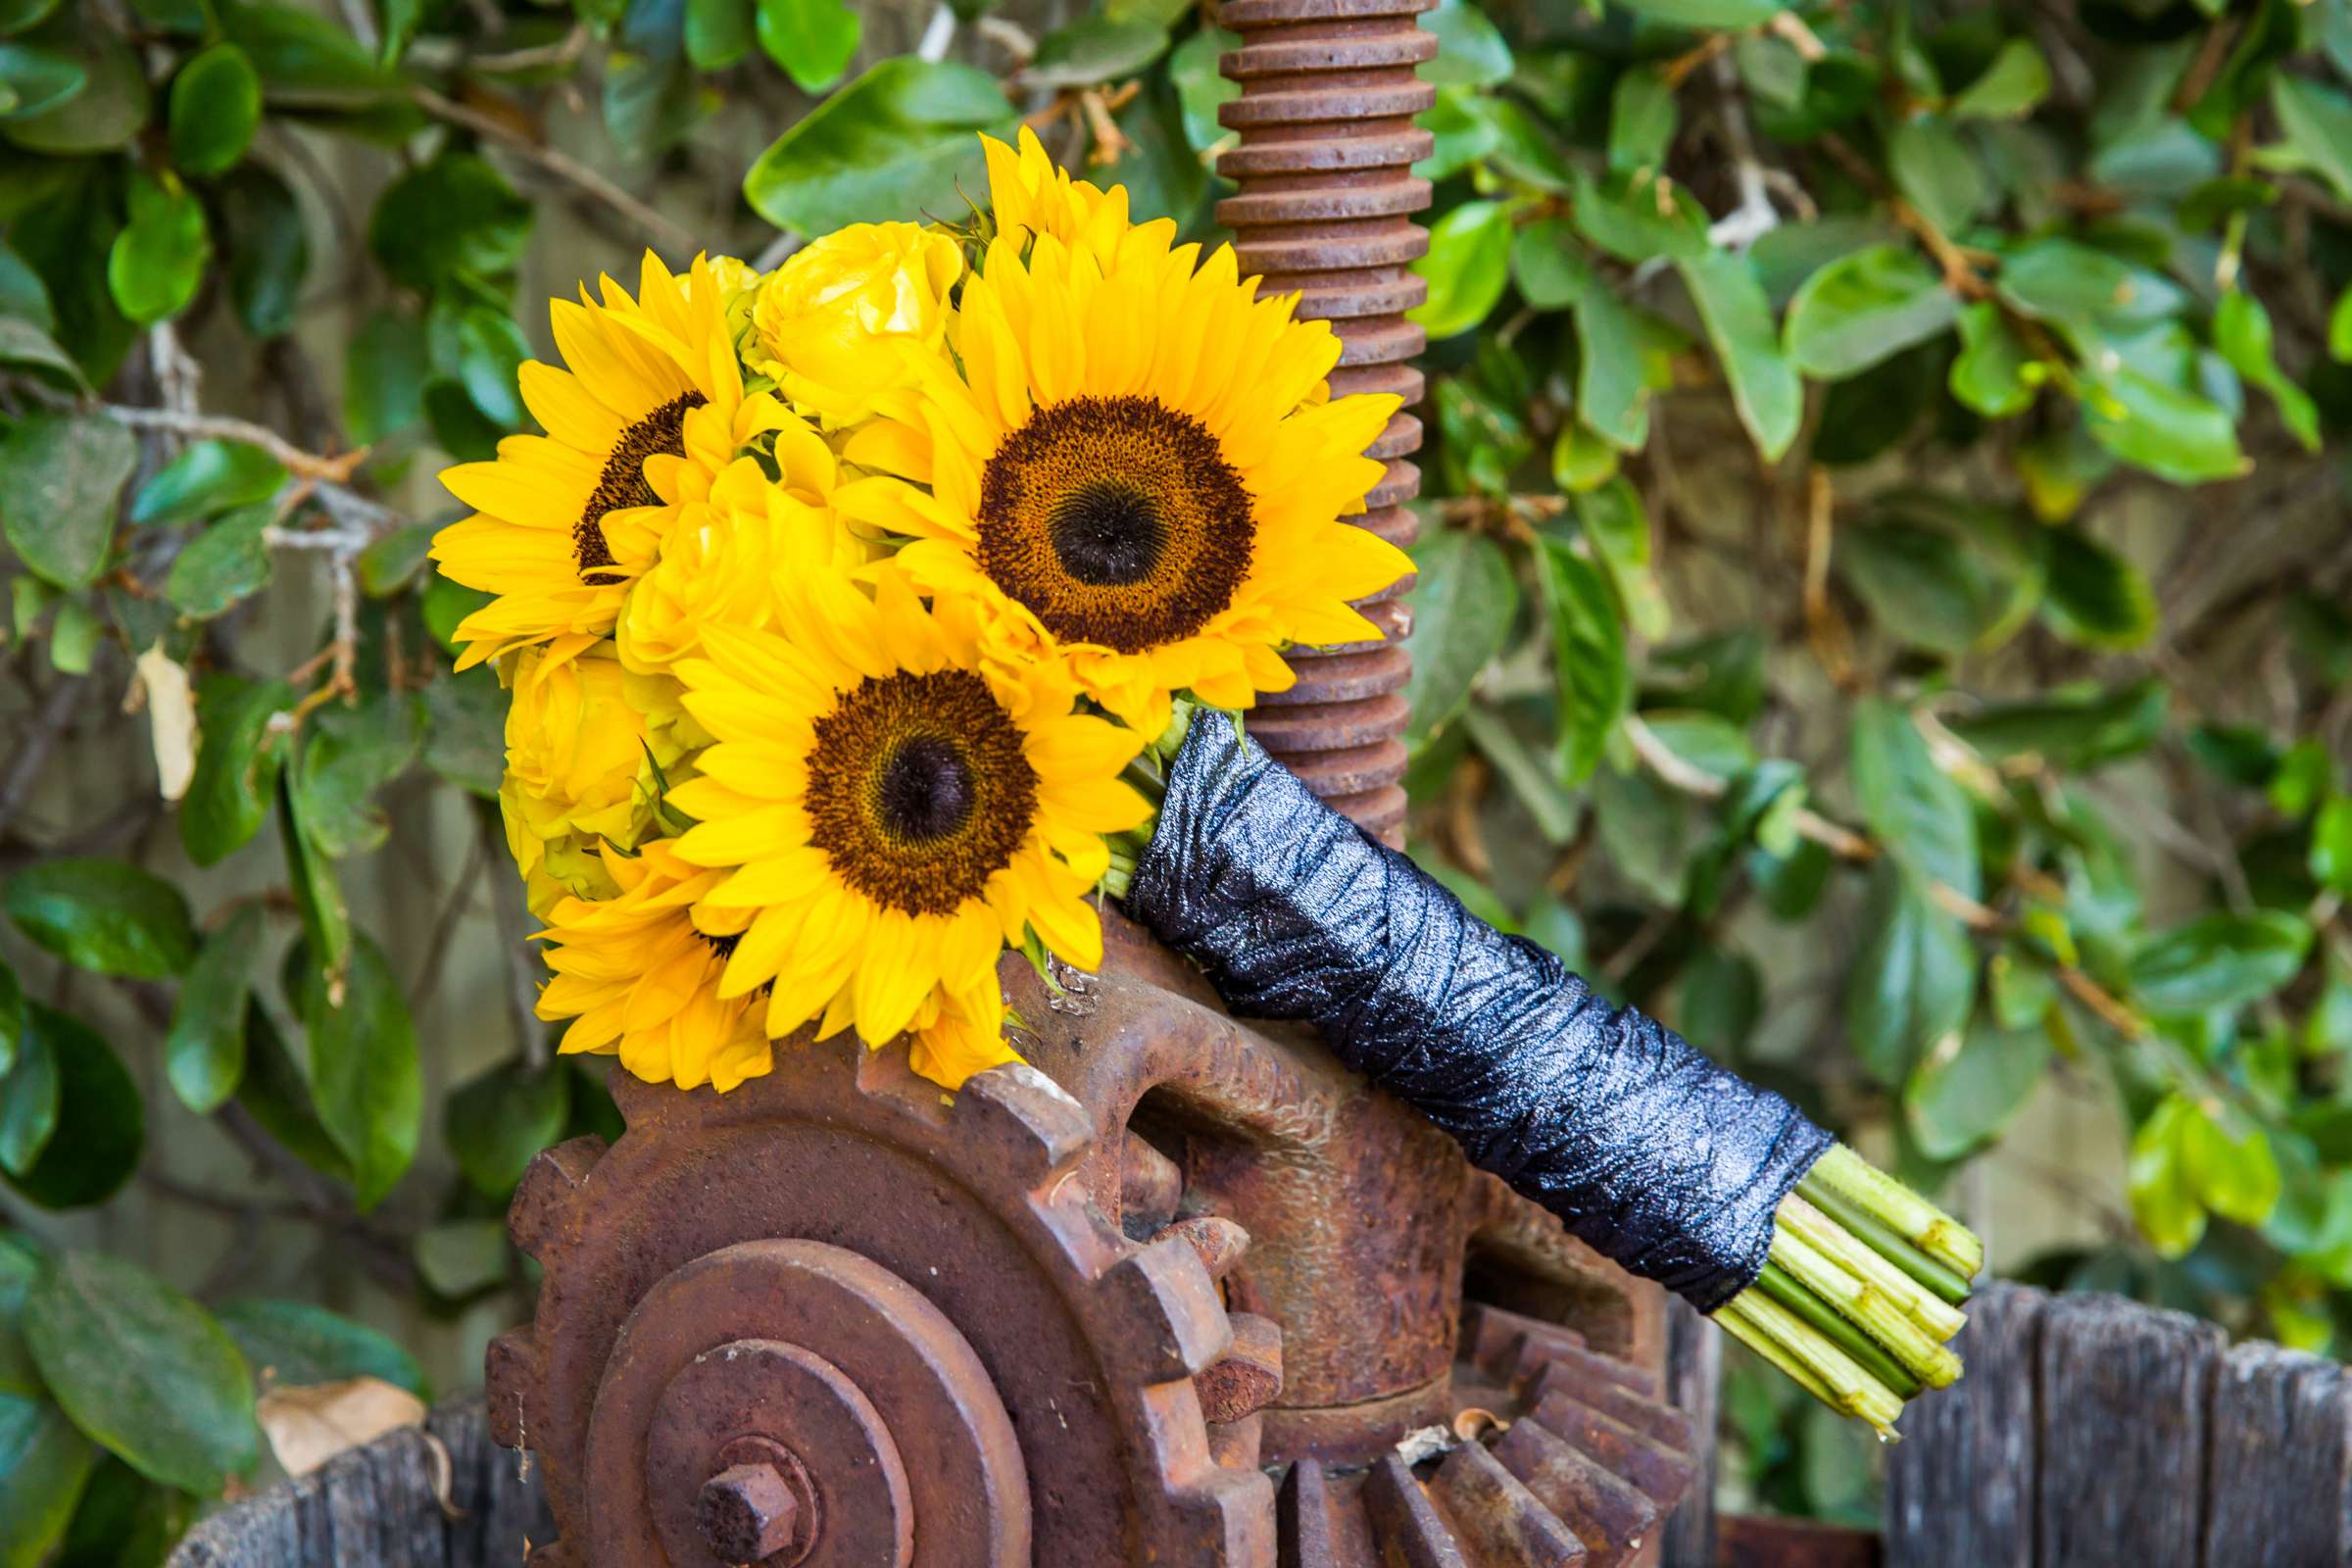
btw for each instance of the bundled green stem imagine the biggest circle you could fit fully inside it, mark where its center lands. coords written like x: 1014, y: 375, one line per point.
x: 1861, y: 1290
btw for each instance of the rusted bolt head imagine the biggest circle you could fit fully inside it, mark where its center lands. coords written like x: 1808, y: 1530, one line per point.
x: 746, y: 1514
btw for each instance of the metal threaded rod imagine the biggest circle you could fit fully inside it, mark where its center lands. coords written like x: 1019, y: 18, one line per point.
x: 1326, y: 205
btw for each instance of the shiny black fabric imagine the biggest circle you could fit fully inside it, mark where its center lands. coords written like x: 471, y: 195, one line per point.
x: 1647, y: 1151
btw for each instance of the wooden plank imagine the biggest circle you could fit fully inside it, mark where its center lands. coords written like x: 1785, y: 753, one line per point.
x: 2281, y: 1466
x: 1694, y: 1375
x: 2126, y: 1400
x: 379, y: 1506
x: 1960, y: 1487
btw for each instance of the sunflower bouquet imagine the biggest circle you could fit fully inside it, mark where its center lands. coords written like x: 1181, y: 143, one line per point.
x: 871, y: 617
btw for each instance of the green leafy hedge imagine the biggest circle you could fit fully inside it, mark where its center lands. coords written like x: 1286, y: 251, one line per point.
x: 1883, y: 597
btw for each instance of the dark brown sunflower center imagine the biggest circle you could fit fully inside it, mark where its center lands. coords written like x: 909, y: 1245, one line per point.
x: 920, y: 790
x: 1116, y: 520
x: 622, y: 482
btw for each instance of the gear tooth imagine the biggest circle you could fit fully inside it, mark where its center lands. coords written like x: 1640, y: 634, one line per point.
x: 1150, y: 1186
x: 513, y: 1386
x: 1015, y: 1107
x: 1405, y: 1523
x: 1164, y: 1284
x: 542, y: 1213
x: 1247, y: 1378
x: 1220, y: 1241
x: 1609, y: 1514
x: 1581, y: 1371
x: 1302, y: 1523
x: 1230, y: 1511
x: 555, y: 1554
x: 1595, y: 1388
x: 639, y: 1101
x: 1659, y: 1471
x: 1238, y: 1445
x: 1496, y: 1517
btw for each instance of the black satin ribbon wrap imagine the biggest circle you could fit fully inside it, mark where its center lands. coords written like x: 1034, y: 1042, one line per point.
x: 1647, y: 1151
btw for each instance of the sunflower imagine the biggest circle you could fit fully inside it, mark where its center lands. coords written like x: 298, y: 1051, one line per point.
x: 639, y: 981
x: 894, y: 813
x: 1033, y: 197
x: 1140, y: 468
x: 588, y: 743
x: 564, y: 521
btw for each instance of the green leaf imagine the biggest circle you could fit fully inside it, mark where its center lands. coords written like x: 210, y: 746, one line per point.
x: 33, y: 81
x: 1588, y: 644
x: 104, y: 915
x: 295, y: 1345
x: 1639, y: 217
x: 12, y: 1015
x: 1200, y: 88
x: 16, y: 16
x: 2071, y: 730
x: 1462, y: 131
x: 1913, y: 807
x: 1866, y: 415
x: 30, y: 1096
x: 1467, y: 267
x: 2331, y: 857
x: 215, y: 107
x: 1865, y: 307
x: 1990, y: 375
x: 304, y: 58
x: 2092, y: 293
x: 26, y: 345
x: 496, y: 1123
x: 60, y: 474
x: 490, y: 350
x: 1765, y: 388
x: 1549, y: 265
x: 204, y: 1052
x: 1919, y: 584
x: 1464, y: 600
x: 453, y: 220
x: 102, y: 114
x: 236, y: 765
x: 350, y: 754
x: 143, y: 1370
x: 2010, y: 88
x: 364, y: 1070
x: 2236, y: 1174
x: 44, y: 1464
x: 1611, y: 397
x: 278, y: 1094
x: 2163, y: 1190
x: 384, y: 376
x: 1967, y: 1088
x: 2177, y: 435
x: 812, y: 40
x: 1580, y: 461
x: 1725, y: 14
x: 223, y: 565
x: 1912, y: 982
x: 2219, y: 961
x: 719, y: 33
x: 160, y: 258
x: 898, y: 142
x: 101, y: 1121
x: 1094, y: 50
x: 206, y: 479
x: 268, y: 249
x: 1471, y: 51
x: 466, y: 734
x: 2241, y: 330
x: 391, y: 564
x: 2317, y: 122
x: 1616, y: 522
x: 2339, y: 328
x: 2092, y: 596
x: 1937, y: 174
x: 460, y: 1257
x: 1641, y: 120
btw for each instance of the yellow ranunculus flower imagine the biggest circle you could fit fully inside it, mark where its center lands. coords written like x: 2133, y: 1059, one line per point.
x: 584, y: 740
x: 826, y: 323
x: 726, y: 556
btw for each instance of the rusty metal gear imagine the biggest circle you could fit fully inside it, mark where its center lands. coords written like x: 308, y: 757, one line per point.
x: 834, y: 1315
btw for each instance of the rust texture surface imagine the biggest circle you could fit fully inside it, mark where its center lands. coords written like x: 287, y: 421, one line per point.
x: 1325, y: 208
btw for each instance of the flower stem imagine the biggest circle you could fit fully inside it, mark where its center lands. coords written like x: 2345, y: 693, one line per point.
x: 1842, y: 1384
x: 1883, y: 1241
x: 1886, y: 1322
x: 1875, y: 1193
x: 1865, y: 1255
x: 1777, y: 1283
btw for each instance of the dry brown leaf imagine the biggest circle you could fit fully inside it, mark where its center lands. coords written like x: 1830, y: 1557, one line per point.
x: 309, y: 1423
x: 172, y: 717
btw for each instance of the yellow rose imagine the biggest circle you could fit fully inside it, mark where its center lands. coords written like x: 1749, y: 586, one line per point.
x: 724, y: 556
x: 584, y: 739
x: 828, y: 324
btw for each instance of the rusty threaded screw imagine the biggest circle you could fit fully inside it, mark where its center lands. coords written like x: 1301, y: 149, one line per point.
x: 746, y: 1514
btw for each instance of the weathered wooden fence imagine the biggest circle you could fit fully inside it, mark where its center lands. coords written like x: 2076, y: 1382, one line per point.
x: 389, y: 1504
x: 2092, y: 1430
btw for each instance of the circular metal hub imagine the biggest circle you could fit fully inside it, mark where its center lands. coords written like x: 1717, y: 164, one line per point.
x: 790, y: 1403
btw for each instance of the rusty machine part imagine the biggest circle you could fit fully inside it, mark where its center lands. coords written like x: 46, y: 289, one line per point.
x: 1324, y: 209
x: 1176, y: 1293
x: 1184, y: 1291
